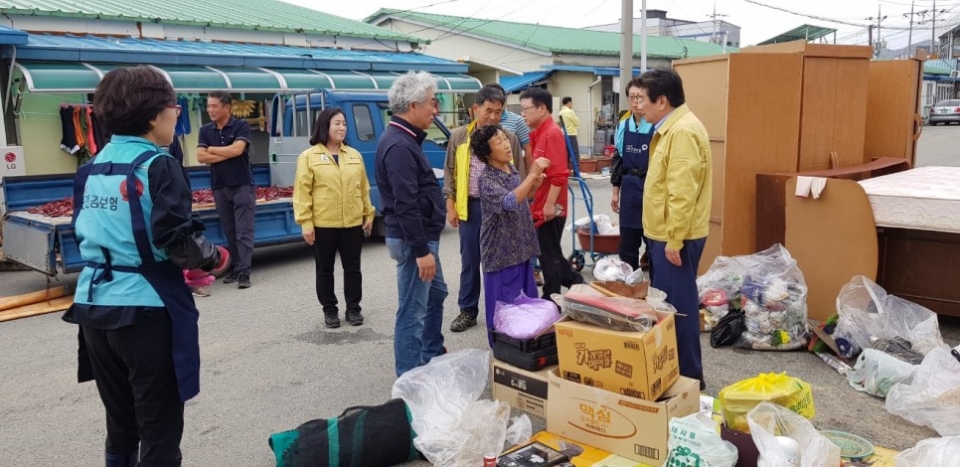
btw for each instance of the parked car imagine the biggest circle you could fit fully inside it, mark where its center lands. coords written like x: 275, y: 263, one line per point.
x: 947, y: 111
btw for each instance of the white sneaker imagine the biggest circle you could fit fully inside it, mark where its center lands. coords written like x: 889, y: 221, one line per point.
x: 200, y: 292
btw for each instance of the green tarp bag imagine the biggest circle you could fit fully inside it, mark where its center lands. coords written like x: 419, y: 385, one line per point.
x: 360, y: 437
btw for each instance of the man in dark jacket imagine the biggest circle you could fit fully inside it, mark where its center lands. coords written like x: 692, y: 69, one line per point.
x: 414, y: 214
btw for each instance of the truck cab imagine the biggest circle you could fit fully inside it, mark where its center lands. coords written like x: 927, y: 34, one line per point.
x: 367, y: 115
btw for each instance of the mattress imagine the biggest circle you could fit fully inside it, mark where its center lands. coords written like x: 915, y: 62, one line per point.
x: 925, y: 198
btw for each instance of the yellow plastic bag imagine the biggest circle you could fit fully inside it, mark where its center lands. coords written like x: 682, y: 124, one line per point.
x: 740, y: 397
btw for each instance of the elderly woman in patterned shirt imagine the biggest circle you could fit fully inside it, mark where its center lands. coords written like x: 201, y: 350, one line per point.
x: 508, y: 239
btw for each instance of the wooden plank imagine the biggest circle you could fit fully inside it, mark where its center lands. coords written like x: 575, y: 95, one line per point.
x: 7, y: 303
x: 705, y: 88
x: 718, y: 151
x: 36, y: 309
x: 833, y: 239
x: 834, y: 113
x: 763, y: 128
x: 712, y: 249
x: 812, y: 50
x: 893, y: 124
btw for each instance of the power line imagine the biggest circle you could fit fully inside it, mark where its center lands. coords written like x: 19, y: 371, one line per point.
x: 821, y: 18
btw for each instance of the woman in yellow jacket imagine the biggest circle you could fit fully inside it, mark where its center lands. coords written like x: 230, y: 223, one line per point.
x: 331, y: 202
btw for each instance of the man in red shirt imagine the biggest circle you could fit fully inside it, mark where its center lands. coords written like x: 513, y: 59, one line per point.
x: 550, y: 202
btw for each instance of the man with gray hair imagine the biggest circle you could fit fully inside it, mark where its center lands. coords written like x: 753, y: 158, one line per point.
x: 414, y: 215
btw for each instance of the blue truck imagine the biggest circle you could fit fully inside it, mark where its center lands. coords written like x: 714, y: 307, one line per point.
x: 49, y: 245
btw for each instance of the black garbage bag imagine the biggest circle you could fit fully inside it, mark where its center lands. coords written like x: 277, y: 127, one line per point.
x: 727, y: 330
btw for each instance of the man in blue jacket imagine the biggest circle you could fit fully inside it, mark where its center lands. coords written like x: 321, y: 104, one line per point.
x: 414, y: 215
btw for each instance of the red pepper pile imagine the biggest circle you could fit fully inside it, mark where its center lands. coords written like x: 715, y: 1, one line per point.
x: 64, y: 207
x: 59, y: 208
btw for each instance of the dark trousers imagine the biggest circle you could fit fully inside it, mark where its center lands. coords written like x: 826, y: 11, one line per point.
x: 469, y: 299
x: 348, y: 242
x: 680, y: 285
x: 133, y: 368
x: 554, y: 267
x: 630, y: 242
x: 236, y: 207
x: 575, y: 145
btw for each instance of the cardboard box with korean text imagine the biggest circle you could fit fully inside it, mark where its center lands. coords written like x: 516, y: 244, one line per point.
x: 623, y: 425
x: 636, y: 364
x: 522, y: 389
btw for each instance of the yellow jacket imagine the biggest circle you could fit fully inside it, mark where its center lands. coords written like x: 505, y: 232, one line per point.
x: 331, y: 195
x: 676, y: 195
x: 570, y: 120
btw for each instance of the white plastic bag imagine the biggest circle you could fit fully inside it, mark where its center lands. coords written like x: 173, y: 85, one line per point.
x: 932, y: 398
x: 453, y: 427
x: 612, y: 270
x: 940, y: 452
x: 768, y: 421
x: 694, y: 440
x: 583, y: 223
x: 876, y: 372
x: 867, y: 313
x: 525, y: 318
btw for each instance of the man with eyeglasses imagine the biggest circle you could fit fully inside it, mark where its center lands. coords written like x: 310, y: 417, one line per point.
x: 676, y: 205
x: 550, y: 201
x: 461, y: 188
x: 225, y: 144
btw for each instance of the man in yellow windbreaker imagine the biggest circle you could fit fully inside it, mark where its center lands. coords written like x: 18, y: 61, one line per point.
x: 676, y: 205
x: 461, y: 175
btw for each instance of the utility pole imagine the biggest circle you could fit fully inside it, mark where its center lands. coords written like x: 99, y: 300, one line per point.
x: 910, y: 34
x: 643, y: 36
x: 933, y: 29
x: 870, y: 34
x: 626, y: 51
x: 878, y: 46
x: 716, y: 23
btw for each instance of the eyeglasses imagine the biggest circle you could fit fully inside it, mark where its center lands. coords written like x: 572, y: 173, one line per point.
x: 524, y: 109
x: 635, y: 98
x: 175, y: 106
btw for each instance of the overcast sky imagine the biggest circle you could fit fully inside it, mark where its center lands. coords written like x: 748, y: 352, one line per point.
x: 757, y: 22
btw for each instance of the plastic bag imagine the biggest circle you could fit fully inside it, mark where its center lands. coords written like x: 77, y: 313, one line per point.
x: 768, y: 421
x: 867, y: 313
x: 694, y: 440
x: 727, y: 330
x: 583, y: 303
x: 525, y: 318
x: 583, y: 224
x: 636, y: 277
x: 781, y: 389
x: 611, y: 269
x: 769, y: 288
x: 606, y: 228
x: 876, y: 372
x: 932, y: 398
x: 453, y: 427
x: 942, y: 452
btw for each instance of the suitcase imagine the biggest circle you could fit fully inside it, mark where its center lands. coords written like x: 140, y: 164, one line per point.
x: 531, y: 355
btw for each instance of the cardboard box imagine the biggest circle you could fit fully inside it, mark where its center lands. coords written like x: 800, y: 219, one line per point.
x: 522, y: 389
x: 623, y: 425
x: 641, y: 365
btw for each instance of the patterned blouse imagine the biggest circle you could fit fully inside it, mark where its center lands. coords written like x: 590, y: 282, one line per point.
x: 507, y: 234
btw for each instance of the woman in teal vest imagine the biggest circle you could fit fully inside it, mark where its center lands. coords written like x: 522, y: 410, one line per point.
x: 138, y: 322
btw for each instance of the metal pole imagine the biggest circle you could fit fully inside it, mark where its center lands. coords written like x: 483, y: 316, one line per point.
x: 879, y: 37
x: 626, y: 51
x: 910, y: 34
x: 643, y: 36
x: 933, y: 29
x: 725, y: 41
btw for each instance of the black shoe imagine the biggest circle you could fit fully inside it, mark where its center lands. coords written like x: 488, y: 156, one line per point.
x: 244, y: 281
x: 233, y: 277
x: 703, y: 384
x: 331, y: 320
x: 354, y: 318
x: 463, y: 322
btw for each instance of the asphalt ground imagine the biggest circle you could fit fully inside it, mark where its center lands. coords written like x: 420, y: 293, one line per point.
x: 268, y: 365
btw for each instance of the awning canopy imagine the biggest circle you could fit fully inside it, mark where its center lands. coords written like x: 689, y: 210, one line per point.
x: 54, y: 77
x: 524, y: 81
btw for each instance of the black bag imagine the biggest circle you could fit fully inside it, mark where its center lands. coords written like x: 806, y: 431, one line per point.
x: 378, y: 436
x: 728, y: 329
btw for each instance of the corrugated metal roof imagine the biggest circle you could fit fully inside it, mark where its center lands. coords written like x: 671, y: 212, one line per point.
x: 524, y: 81
x: 941, y: 66
x: 557, y: 39
x: 11, y: 36
x: 172, y: 52
x: 266, y: 15
x: 807, y: 32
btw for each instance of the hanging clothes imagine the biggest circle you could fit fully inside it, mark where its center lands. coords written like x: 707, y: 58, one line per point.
x: 68, y: 142
x: 101, y: 135
x: 183, y: 121
x: 91, y: 141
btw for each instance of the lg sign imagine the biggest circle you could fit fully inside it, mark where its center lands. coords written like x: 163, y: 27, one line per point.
x: 12, y: 162
x: 10, y: 157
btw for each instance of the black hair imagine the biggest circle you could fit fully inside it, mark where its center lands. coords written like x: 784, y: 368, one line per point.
x: 663, y: 82
x: 566, y: 100
x: 635, y: 82
x: 480, y: 141
x: 489, y: 93
x: 539, y: 96
x: 321, y: 129
x: 497, y: 86
x: 127, y: 99
x: 223, y: 96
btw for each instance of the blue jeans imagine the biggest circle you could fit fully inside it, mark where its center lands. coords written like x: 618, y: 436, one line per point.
x: 469, y: 299
x: 417, y: 334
